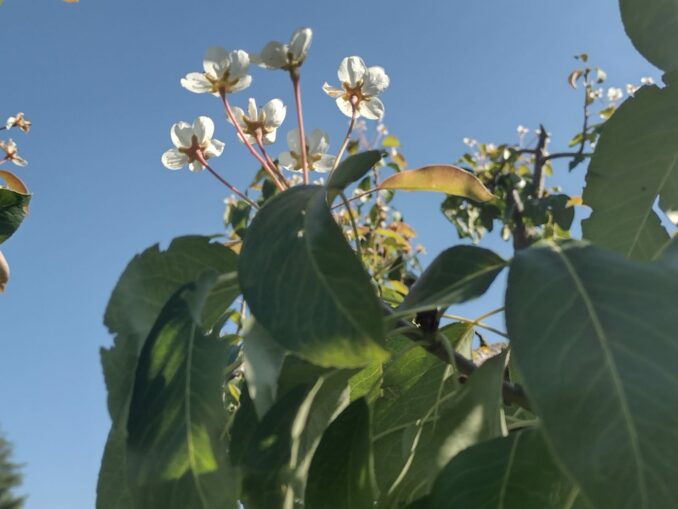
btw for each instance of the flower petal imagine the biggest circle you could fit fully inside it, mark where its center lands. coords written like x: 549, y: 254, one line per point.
x: 288, y: 162
x: 196, y: 82
x: 344, y: 106
x: 214, y: 149
x: 351, y: 70
x: 318, y: 142
x: 174, y: 160
x: 274, y: 113
x: 239, y: 62
x: 181, y: 134
x: 195, y: 166
x: 375, y: 81
x: 242, y: 84
x: 269, y: 137
x: 324, y: 164
x: 215, y: 61
x: 293, y: 140
x: 300, y: 43
x: 252, y: 108
x: 273, y: 56
x: 238, y: 113
x: 203, y: 129
x: 19, y: 161
x: 332, y: 91
x: 371, y: 108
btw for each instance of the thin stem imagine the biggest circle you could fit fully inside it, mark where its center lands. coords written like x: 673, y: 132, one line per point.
x: 2, y: 128
x: 294, y: 74
x: 476, y: 323
x: 271, y: 164
x: 247, y: 144
x: 201, y: 159
x: 351, y: 124
x: 490, y: 313
x: 353, y: 225
x: 357, y: 197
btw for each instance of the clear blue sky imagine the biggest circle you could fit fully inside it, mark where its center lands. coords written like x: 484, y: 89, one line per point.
x: 100, y: 81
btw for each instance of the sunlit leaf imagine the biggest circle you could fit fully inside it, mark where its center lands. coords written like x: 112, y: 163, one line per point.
x: 13, y: 208
x: 441, y: 178
x: 352, y: 169
x: 4, y: 272
x: 13, y: 182
x: 652, y: 26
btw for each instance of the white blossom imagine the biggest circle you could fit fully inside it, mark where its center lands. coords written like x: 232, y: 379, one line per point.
x: 264, y: 122
x: 317, y: 144
x: 10, y: 150
x: 470, y: 142
x: 614, y: 94
x: 19, y: 122
x: 188, y: 140
x: 360, y: 87
x: 522, y: 130
x: 277, y: 55
x: 225, y: 72
x: 647, y: 80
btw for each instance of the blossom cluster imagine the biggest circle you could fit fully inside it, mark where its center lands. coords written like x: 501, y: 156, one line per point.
x: 227, y: 72
x: 9, y: 148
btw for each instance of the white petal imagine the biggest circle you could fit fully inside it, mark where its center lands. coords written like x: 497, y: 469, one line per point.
x: 242, y: 83
x: 324, y: 164
x: 269, y: 138
x: 293, y: 140
x: 287, y: 161
x: 273, y: 56
x: 181, y: 134
x: 19, y: 161
x: 203, y: 129
x: 376, y: 81
x: 274, y: 113
x: 239, y: 61
x: 215, y: 61
x: 195, y: 166
x: 332, y: 91
x: 318, y: 142
x: 238, y: 113
x: 174, y: 160
x: 344, y: 106
x: 196, y: 82
x: 214, y: 149
x: 351, y: 70
x: 299, y: 44
x: 10, y: 122
x: 371, y: 108
x: 252, y: 109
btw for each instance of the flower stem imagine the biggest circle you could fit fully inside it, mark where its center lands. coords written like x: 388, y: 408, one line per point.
x: 247, y: 144
x: 357, y: 197
x: 270, y: 162
x: 346, y: 139
x: 300, y: 121
x: 201, y: 159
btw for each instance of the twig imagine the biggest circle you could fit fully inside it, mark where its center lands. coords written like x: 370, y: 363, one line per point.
x: 201, y: 159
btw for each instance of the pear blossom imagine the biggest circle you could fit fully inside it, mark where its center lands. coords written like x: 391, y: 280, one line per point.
x: 225, y: 72
x: 522, y: 130
x: 647, y: 80
x: 10, y: 150
x: 277, y: 55
x: 614, y: 94
x: 188, y: 140
x: 317, y: 144
x: 631, y: 88
x: 360, y: 87
x: 264, y: 122
x: 18, y: 121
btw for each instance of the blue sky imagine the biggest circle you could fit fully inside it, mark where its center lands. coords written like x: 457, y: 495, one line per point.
x: 100, y: 81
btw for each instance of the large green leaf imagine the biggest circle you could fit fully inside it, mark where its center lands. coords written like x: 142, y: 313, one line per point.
x: 594, y: 338
x: 516, y: 472
x: 306, y: 286
x: 341, y: 475
x: 352, y: 169
x: 652, y: 26
x: 426, y: 417
x: 457, y: 274
x: 176, y: 414
x: 147, y: 283
x: 636, y: 159
x: 440, y: 178
x: 13, y: 208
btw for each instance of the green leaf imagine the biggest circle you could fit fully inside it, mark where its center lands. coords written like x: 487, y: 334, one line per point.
x: 341, y: 473
x: 426, y: 418
x: 176, y: 414
x: 516, y: 472
x: 352, y: 169
x: 458, y: 274
x: 441, y: 178
x: 13, y: 209
x: 636, y: 159
x: 306, y: 286
x: 145, y: 286
x: 652, y: 26
x: 594, y: 339
x: 263, y: 361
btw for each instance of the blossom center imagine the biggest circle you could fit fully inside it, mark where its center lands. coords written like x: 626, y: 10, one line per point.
x: 354, y: 95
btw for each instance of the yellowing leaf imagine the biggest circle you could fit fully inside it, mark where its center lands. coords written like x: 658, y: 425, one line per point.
x: 71, y: 1
x: 4, y: 272
x: 442, y: 178
x: 13, y: 182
